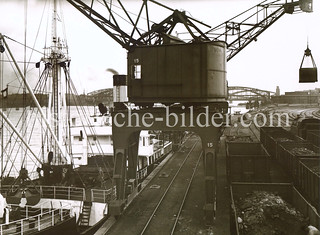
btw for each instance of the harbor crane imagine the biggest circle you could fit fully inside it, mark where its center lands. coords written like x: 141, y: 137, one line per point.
x: 178, y: 59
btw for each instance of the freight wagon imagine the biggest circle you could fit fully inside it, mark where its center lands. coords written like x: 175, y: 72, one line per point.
x: 297, y: 158
x: 309, y: 180
x: 313, y: 137
x: 289, y: 155
x: 287, y: 192
x: 247, y: 162
x: 272, y: 137
x: 301, y: 126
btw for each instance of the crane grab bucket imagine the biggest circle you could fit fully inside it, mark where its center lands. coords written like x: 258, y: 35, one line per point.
x: 306, y: 5
x: 308, y: 68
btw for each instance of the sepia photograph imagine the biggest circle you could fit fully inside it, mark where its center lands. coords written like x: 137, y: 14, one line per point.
x: 159, y: 117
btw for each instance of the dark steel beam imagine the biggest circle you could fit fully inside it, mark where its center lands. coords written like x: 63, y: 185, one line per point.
x: 107, y: 26
x: 239, y: 31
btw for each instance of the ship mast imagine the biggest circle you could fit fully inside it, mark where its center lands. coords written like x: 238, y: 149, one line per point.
x: 56, y: 59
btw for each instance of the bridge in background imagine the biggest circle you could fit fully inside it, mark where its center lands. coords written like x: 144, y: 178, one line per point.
x: 248, y: 93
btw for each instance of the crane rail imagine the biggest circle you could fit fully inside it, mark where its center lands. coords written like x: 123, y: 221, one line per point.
x: 170, y: 191
x: 185, y: 196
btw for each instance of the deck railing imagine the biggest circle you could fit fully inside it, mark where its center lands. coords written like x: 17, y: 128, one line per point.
x: 46, y: 218
x: 60, y: 192
x: 103, y: 196
x: 55, y: 192
x: 79, y: 194
x: 141, y: 174
x: 158, y: 154
x: 28, y: 210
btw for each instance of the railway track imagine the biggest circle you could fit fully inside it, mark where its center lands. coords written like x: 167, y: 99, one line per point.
x: 316, y: 113
x: 240, y: 131
x: 166, y: 214
x: 292, y: 113
x: 157, y: 208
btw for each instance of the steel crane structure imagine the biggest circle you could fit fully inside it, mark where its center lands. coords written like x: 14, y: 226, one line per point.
x: 187, y: 67
x: 237, y: 32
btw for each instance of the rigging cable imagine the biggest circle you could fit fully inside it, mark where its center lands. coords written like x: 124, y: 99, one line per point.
x: 25, y: 67
x: 24, y: 129
x: 46, y: 35
x: 2, y: 105
x: 63, y: 28
x: 34, y: 44
x: 22, y: 44
x: 81, y: 106
x: 26, y: 64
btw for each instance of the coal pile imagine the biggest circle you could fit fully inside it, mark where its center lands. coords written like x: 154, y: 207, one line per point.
x: 239, y: 138
x: 301, y: 151
x: 264, y: 213
x: 283, y: 140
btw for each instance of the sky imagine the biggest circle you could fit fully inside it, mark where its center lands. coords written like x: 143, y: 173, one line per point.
x: 273, y: 60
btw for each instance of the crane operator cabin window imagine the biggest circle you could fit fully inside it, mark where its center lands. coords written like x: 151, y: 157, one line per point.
x: 136, y: 70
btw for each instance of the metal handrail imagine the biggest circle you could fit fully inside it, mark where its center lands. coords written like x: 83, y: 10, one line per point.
x: 79, y: 194
x: 40, y: 221
x: 142, y: 173
x: 61, y: 192
x: 101, y: 195
x: 56, y: 192
x: 37, y: 209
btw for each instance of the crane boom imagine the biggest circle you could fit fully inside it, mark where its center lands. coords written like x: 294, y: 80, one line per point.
x: 241, y: 30
x: 237, y: 32
x: 109, y: 27
x: 111, y: 22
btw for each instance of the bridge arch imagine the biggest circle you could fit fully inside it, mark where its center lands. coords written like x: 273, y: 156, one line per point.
x: 248, y: 93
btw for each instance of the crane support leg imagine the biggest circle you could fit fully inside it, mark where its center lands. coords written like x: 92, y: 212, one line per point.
x: 210, y: 185
x: 126, y: 145
x: 119, y: 177
x: 132, y: 161
x: 210, y: 139
x: 126, y: 128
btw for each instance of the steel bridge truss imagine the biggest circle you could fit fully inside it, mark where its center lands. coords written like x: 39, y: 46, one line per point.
x: 248, y: 93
